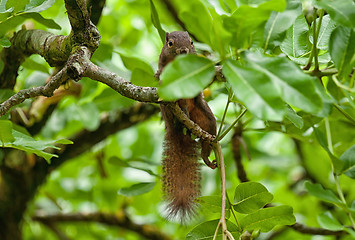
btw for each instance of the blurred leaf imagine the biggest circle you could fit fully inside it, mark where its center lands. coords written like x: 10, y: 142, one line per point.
x: 13, y: 21
x: 142, y: 78
x: 279, y: 22
x: 5, y: 94
x: 245, y: 19
x: 327, y: 220
x: 338, y: 165
x: 39, y: 5
x: 267, y: 218
x: 5, y: 42
x: 294, y: 117
x: 125, y: 163
x: 251, y: 196
x: 137, y: 189
x: 6, y: 132
x: 206, y: 230
x: 341, y: 11
x: 342, y: 49
x: 17, y: 5
x: 348, y: 158
x: 185, y: 77
x: 156, y: 21
x: 34, y: 65
x: 212, y: 204
x: 296, y: 42
x: 326, y: 195
x: 255, y: 90
x: 132, y: 63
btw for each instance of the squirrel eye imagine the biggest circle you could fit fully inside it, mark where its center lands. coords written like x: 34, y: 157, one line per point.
x: 170, y: 43
x: 192, y: 42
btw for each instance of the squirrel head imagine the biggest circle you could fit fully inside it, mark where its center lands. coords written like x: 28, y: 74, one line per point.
x: 178, y: 43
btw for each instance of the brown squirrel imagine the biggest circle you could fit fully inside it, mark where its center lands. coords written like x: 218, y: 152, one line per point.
x: 181, y: 174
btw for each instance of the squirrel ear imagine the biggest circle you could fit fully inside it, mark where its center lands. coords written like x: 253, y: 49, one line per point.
x: 166, y: 37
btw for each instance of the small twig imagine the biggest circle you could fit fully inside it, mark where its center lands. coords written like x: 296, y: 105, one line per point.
x: 46, y: 90
x: 232, y: 125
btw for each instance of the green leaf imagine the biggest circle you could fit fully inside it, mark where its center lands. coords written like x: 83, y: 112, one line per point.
x: 16, y: 5
x: 318, y: 191
x: 246, y: 19
x: 156, y: 21
x: 278, y: 23
x: 137, y: 189
x: 142, y: 78
x: 6, y: 132
x: 294, y: 117
x: 294, y: 86
x: 132, y: 63
x: 25, y: 142
x: 267, y: 218
x: 255, y: 90
x: 342, y: 49
x: 34, y: 65
x: 348, y: 158
x: 338, y: 164
x: 5, y: 42
x: 206, y: 230
x: 88, y: 114
x: 327, y: 220
x: 327, y: 27
x: 13, y: 21
x: 126, y: 163
x: 296, y: 42
x: 341, y: 11
x: 185, y: 77
x: 39, y: 5
x: 212, y: 204
x: 251, y: 196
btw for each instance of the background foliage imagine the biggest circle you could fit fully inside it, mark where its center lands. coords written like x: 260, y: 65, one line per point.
x: 289, y: 63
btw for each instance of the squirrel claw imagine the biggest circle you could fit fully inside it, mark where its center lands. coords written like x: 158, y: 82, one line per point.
x: 213, y: 164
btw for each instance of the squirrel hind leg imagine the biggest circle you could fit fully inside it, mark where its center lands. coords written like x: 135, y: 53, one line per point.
x: 205, y: 153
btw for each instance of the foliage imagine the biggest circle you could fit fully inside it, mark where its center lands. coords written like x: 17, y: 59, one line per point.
x: 290, y: 63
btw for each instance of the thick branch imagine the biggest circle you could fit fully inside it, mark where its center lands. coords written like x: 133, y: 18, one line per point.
x: 118, y: 220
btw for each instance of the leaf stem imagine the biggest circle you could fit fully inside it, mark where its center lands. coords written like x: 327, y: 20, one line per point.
x: 348, y: 116
x: 232, y: 125
x: 225, y: 113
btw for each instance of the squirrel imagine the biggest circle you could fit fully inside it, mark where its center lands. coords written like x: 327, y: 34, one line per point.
x: 181, y: 172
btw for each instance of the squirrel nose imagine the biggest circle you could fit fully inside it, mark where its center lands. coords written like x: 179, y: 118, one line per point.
x: 182, y: 50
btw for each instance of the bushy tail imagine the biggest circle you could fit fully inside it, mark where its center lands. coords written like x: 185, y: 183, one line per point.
x: 181, y: 174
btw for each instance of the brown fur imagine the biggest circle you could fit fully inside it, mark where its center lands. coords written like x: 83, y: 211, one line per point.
x: 181, y: 173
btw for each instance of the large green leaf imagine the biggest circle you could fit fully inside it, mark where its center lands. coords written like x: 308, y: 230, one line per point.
x: 267, y: 218
x: 296, y: 42
x: 206, y: 230
x: 327, y: 220
x: 212, y: 204
x: 137, y: 189
x: 6, y: 132
x: 326, y: 195
x: 251, y: 196
x: 255, y: 90
x: 342, y: 11
x: 348, y: 158
x: 185, y: 77
x: 294, y: 86
x: 279, y: 22
x: 342, y: 49
x: 246, y: 19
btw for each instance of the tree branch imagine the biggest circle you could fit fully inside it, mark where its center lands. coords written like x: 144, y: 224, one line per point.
x: 119, y: 220
x: 315, y: 231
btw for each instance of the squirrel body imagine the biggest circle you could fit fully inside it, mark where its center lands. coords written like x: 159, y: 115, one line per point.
x: 181, y: 174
